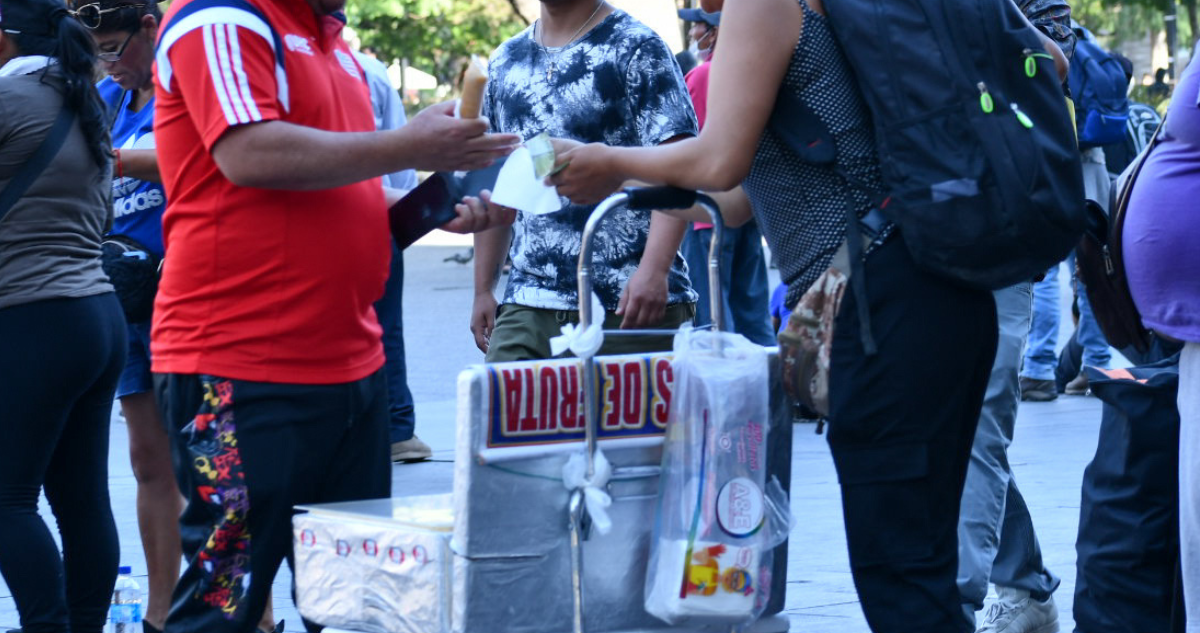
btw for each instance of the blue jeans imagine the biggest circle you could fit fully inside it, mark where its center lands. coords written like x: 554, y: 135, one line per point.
x: 1041, y: 357
x: 996, y: 541
x: 402, y: 422
x: 743, y: 280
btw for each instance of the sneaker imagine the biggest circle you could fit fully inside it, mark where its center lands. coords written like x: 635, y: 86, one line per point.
x: 1034, y: 390
x: 1016, y: 612
x: 278, y: 628
x: 1078, y: 386
x: 411, y: 450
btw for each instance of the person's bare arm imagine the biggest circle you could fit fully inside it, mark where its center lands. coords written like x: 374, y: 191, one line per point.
x: 758, y: 39
x: 734, y: 206
x: 491, y: 249
x: 1061, y: 65
x: 281, y: 155
x: 644, y: 300
x: 139, y: 163
x: 1054, y: 49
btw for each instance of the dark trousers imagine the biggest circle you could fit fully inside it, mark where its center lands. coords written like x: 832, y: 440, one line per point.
x: 901, y: 426
x: 246, y: 453
x: 59, y: 364
x: 402, y: 419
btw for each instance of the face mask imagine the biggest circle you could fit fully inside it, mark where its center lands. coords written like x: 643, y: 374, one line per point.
x: 701, y: 54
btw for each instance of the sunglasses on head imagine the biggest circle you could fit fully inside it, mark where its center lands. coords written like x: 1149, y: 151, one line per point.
x: 90, y: 15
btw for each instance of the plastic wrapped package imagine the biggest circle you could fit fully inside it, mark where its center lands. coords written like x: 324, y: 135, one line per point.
x: 718, y: 516
x: 376, y: 572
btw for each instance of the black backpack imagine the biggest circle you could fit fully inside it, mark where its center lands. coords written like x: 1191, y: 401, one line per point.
x: 1100, y: 89
x: 979, y: 159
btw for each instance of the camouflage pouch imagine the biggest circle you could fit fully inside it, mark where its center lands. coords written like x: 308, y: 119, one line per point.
x: 805, y: 345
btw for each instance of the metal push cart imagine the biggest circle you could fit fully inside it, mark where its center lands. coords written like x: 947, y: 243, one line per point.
x: 511, y: 550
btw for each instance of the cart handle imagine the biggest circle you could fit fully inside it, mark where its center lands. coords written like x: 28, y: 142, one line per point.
x: 646, y: 199
x: 651, y: 198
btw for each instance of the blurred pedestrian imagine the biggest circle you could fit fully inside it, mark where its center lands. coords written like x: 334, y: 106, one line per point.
x: 589, y: 72
x: 744, y: 292
x: 61, y: 329
x: 125, y: 32
x: 402, y: 417
x: 1162, y: 264
x: 266, y: 347
x: 886, y: 420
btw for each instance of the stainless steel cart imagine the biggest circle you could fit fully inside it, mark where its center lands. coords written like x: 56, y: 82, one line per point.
x: 520, y: 557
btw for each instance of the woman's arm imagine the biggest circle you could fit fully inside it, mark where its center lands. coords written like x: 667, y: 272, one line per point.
x: 137, y: 163
x: 758, y: 38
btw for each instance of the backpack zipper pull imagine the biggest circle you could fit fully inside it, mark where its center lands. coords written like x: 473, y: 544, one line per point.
x: 1022, y: 117
x: 1031, y: 57
x: 985, y: 99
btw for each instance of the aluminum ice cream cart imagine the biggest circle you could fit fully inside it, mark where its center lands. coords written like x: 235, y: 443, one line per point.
x: 511, y: 550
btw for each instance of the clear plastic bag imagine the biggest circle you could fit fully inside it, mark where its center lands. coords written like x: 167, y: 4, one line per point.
x: 718, y: 516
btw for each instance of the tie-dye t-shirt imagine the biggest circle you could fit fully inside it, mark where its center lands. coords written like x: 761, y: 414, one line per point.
x: 618, y: 84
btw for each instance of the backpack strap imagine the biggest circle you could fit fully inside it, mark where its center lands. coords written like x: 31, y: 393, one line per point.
x: 807, y: 136
x: 39, y: 161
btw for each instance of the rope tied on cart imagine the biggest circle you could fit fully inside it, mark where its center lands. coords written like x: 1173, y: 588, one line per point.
x: 596, y: 498
x: 582, y: 342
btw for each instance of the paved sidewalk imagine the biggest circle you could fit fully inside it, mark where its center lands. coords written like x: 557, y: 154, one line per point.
x: 1054, y: 443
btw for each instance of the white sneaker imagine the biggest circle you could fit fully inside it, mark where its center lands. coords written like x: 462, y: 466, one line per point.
x: 1015, y: 612
x: 411, y: 450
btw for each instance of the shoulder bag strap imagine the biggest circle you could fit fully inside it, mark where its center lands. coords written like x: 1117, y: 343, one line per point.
x: 38, y: 162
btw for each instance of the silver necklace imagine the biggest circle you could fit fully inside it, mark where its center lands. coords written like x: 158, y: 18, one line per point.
x: 552, y: 56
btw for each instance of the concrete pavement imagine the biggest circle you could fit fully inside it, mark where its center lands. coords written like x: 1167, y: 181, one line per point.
x: 1054, y: 443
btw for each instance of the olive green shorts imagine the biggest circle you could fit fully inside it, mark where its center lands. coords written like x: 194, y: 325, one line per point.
x: 524, y: 333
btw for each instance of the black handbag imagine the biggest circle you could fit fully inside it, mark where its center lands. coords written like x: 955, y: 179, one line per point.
x: 133, y: 271
x: 1101, y: 263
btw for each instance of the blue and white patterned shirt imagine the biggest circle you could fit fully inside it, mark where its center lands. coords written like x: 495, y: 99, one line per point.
x: 618, y: 84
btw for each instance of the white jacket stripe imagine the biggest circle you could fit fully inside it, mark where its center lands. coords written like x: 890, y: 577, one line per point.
x: 236, y: 83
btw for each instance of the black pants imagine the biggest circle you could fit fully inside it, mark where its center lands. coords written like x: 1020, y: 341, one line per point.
x: 59, y: 364
x: 246, y: 453
x: 901, y: 426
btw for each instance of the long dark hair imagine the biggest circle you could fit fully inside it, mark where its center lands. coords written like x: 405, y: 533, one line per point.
x: 70, y: 43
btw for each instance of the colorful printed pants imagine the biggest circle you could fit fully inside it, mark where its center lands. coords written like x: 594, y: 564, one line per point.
x: 246, y: 454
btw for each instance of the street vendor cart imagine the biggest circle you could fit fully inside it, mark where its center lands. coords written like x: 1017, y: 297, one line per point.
x: 512, y: 549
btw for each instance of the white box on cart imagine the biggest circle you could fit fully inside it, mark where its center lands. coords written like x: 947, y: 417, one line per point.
x: 380, y: 566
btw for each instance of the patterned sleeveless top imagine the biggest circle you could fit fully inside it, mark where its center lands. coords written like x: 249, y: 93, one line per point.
x: 801, y: 207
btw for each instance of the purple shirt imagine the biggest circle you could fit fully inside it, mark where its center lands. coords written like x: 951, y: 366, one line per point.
x: 1162, y: 228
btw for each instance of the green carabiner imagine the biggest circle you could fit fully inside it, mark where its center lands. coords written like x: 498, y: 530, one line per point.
x: 985, y: 99
x: 1031, y: 61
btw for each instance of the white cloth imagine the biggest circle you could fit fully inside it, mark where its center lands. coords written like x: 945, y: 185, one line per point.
x: 1189, y: 481
x: 583, y: 343
x: 518, y: 186
x: 595, y: 498
x: 25, y: 65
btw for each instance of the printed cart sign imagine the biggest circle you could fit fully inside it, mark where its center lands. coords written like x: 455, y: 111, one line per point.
x: 540, y: 403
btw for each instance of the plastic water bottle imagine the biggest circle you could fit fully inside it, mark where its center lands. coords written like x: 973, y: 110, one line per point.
x: 125, y: 613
